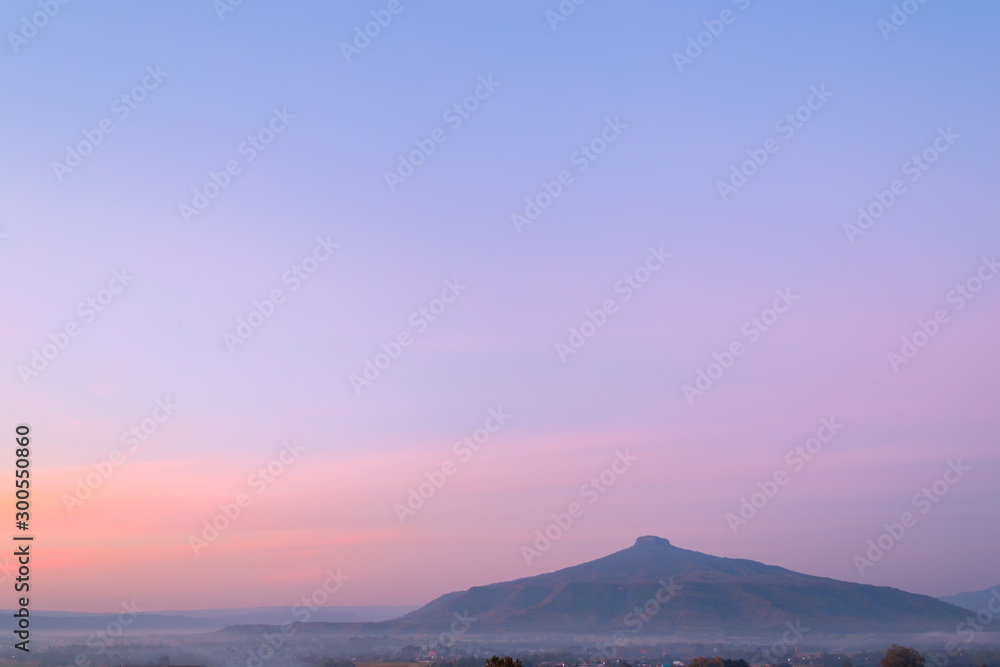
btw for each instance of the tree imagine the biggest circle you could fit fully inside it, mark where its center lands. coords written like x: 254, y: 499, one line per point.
x: 707, y: 662
x: 505, y: 661
x: 901, y: 656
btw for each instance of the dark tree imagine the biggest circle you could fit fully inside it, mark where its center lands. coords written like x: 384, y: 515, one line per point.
x: 901, y: 656
x: 707, y: 662
x: 505, y: 661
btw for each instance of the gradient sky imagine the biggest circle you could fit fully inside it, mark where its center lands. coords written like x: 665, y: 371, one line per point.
x: 495, y: 346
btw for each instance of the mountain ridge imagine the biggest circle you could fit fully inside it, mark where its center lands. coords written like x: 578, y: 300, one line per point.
x: 975, y: 600
x: 711, y: 594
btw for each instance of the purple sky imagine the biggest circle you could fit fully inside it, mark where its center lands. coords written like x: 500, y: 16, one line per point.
x: 584, y: 325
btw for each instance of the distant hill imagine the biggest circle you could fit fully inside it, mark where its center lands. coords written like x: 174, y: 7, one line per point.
x: 205, y: 620
x: 975, y: 600
x: 716, y: 596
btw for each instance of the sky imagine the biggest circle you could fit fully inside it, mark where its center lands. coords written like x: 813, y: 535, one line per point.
x: 283, y: 298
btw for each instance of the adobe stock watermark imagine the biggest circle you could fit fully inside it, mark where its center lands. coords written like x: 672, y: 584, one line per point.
x: 752, y: 329
x: 302, y: 610
x: 787, y: 126
x: 581, y: 158
x: 796, y: 458
x: 775, y: 653
x: 294, y: 277
x: 363, y: 36
x: 102, y: 640
x: 419, y: 320
x: 446, y: 640
x: 901, y: 13
x: 562, y: 12
x: 88, y: 309
x: 926, y: 330
x: 258, y: 481
x: 454, y: 116
x: 924, y: 501
x: 30, y: 25
x: 248, y: 149
x: 592, y: 490
x: 464, y: 449
x: 914, y: 168
x: 122, y: 107
x: 595, y: 320
x: 223, y: 7
x: 713, y: 30
x: 639, y: 616
x: 7, y: 568
x: 134, y: 437
x: 967, y: 630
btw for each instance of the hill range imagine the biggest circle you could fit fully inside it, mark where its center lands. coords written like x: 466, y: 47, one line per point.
x: 976, y: 600
x: 658, y: 589
x: 651, y: 588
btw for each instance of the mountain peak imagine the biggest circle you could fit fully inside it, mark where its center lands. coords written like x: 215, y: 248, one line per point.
x: 720, y: 596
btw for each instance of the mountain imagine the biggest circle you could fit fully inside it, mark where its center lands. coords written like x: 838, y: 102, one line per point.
x: 699, y: 595
x: 975, y: 600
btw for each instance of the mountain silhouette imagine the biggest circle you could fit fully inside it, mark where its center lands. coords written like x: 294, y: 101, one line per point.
x: 659, y: 589
x: 976, y: 600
